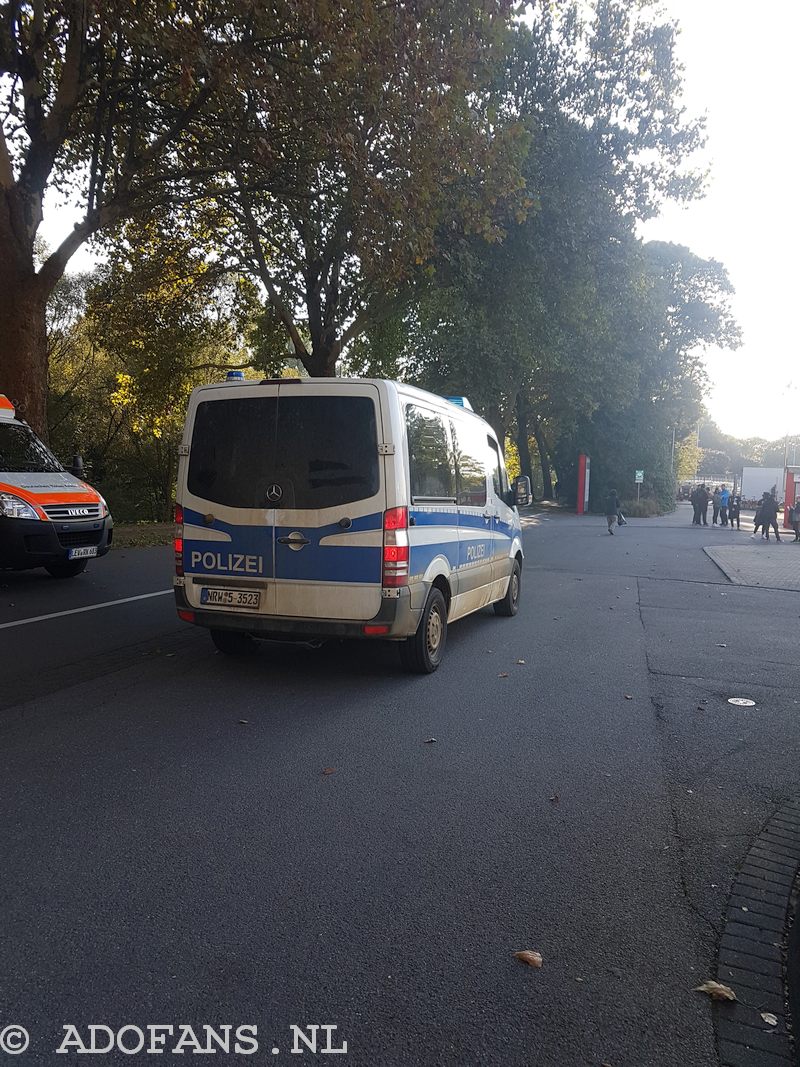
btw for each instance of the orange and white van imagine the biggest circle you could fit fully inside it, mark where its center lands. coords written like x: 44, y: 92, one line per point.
x: 48, y: 517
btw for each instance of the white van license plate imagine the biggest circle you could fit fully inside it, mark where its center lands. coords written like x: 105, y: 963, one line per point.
x: 231, y: 598
x: 82, y: 553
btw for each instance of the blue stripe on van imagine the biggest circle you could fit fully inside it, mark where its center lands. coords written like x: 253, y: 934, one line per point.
x: 314, y: 562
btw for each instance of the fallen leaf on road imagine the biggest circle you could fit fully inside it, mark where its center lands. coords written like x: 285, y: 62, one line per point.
x: 716, y: 990
x: 244, y: 722
x: 504, y: 674
x: 554, y: 799
x: 628, y: 696
x: 430, y: 740
x: 721, y: 646
x: 769, y: 1018
x: 529, y: 956
x: 520, y: 661
x: 329, y: 770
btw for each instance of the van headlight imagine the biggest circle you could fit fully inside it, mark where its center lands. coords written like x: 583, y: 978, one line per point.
x: 104, y: 509
x: 11, y: 507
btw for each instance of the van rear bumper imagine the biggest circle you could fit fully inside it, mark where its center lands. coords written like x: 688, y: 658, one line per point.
x: 27, y: 543
x: 396, y: 613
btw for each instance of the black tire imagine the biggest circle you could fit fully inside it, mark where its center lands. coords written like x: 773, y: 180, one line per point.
x: 70, y: 569
x: 233, y: 642
x: 509, y: 605
x: 422, y: 653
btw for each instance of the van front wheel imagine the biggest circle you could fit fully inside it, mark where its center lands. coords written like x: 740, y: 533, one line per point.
x: 509, y: 605
x: 422, y: 653
x: 233, y: 642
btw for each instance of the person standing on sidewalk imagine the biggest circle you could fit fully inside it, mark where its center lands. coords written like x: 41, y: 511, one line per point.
x: 703, y: 497
x: 769, y: 515
x: 735, y: 510
x: 794, y: 519
x: 717, y: 501
x: 612, y: 509
x: 725, y: 498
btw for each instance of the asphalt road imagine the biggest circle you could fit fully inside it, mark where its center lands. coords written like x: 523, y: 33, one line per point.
x: 172, y: 852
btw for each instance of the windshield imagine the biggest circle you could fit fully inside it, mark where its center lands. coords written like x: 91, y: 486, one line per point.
x: 21, y: 450
x: 321, y: 451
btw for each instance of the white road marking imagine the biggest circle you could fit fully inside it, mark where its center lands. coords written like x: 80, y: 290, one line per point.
x: 90, y: 607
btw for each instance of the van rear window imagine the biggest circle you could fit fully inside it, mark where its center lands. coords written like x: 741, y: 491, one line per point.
x: 321, y: 451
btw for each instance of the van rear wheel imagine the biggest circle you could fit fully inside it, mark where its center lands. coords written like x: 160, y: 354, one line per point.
x: 233, y: 642
x: 66, y: 570
x: 509, y: 605
x: 422, y: 653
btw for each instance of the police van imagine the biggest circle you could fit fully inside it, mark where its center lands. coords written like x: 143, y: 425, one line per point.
x: 326, y: 507
x: 48, y: 517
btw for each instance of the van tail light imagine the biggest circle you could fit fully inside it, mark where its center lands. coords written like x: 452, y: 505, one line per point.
x: 395, y: 548
x: 178, y: 542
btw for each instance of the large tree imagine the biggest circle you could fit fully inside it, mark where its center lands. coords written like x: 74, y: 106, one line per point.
x: 134, y: 104
x: 405, y: 152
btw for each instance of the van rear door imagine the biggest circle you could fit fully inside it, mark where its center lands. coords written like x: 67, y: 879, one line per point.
x: 330, y: 487
x: 229, y: 536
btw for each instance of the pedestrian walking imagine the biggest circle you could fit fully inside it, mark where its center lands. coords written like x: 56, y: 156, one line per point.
x: 694, y: 500
x: 612, y: 509
x: 716, y: 500
x: 769, y: 515
x: 725, y: 499
x: 735, y: 510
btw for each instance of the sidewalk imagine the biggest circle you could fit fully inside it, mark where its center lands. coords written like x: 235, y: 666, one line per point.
x: 771, y: 566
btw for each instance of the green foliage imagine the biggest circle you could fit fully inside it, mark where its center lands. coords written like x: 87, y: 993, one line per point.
x: 149, y: 326
x: 645, y: 508
x: 687, y: 458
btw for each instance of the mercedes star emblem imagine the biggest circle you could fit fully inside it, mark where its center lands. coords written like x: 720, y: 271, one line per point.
x: 274, y: 493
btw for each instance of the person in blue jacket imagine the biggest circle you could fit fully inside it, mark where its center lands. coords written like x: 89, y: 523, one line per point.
x: 724, y: 500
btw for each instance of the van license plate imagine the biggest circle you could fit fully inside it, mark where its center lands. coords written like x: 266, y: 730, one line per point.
x: 230, y: 598
x: 82, y: 553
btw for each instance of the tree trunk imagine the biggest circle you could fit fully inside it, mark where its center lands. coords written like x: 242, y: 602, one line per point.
x: 523, y: 435
x: 23, y: 344
x: 544, y: 461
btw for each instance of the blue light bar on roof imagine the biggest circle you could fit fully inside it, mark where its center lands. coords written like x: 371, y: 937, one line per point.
x: 461, y: 401
x: 234, y: 376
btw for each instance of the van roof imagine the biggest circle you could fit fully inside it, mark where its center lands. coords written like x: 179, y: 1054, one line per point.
x: 405, y: 388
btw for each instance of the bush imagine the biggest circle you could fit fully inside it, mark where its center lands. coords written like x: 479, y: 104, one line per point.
x: 646, y: 508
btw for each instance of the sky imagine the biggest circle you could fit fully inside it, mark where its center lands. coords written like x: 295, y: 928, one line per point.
x: 740, y: 69
x: 740, y: 72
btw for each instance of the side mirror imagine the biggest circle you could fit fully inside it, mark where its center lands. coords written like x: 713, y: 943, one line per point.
x: 523, y: 494
x: 76, y: 467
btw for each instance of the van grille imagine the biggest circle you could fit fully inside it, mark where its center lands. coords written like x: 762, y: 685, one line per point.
x: 72, y: 512
x: 80, y: 538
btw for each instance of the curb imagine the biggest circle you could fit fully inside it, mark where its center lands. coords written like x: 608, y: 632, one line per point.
x: 753, y: 945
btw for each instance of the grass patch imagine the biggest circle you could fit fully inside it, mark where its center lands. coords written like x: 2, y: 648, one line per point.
x: 142, y: 534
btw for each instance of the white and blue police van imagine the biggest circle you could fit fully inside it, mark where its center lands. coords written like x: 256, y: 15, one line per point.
x: 320, y: 508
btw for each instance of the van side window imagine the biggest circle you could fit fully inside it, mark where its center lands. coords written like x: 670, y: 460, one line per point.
x: 430, y: 457
x: 499, y: 476
x: 471, y: 463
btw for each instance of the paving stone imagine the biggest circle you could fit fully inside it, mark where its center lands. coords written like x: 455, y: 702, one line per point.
x: 734, y: 1055
x: 757, y: 907
x: 774, y: 566
x: 752, y: 964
